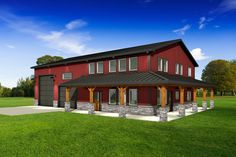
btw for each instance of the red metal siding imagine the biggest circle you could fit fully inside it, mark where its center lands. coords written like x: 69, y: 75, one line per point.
x: 173, y: 55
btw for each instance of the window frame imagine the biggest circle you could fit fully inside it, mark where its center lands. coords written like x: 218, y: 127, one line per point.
x: 90, y: 68
x: 98, y: 67
x: 63, y: 76
x: 177, y: 98
x: 110, y: 65
x: 159, y: 68
x: 131, y: 89
x: 120, y: 64
x: 164, y: 64
x: 181, y: 69
x: 177, y: 68
x: 130, y: 64
x: 110, y: 96
x: 189, y: 96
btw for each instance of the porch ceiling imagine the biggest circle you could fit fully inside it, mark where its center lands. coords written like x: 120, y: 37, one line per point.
x: 134, y: 79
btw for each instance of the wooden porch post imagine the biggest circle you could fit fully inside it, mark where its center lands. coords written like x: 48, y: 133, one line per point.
x: 204, y: 94
x: 122, y: 91
x: 67, y: 94
x: 212, y: 99
x: 163, y: 96
x: 163, y: 109
x: 91, y: 105
x: 181, y: 102
x: 181, y: 89
x: 91, y: 94
x: 67, y: 103
x: 194, y: 95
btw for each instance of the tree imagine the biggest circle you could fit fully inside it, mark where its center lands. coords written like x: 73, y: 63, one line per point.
x: 27, y: 85
x: 48, y: 59
x: 219, y: 72
x: 233, y: 71
x: 17, y: 92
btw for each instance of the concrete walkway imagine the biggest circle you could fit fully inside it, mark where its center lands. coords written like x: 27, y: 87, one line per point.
x: 171, y: 115
x: 11, y: 111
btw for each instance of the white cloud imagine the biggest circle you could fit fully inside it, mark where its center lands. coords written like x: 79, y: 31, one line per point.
x: 227, y: 5
x: 10, y: 46
x: 65, y: 41
x: 203, y: 21
x: 181, y: 31
x: 198, y: 54
x: 75, y: 24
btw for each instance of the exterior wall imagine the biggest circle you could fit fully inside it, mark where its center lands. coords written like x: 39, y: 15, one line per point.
x: 174, y: 55
x: 147, y: 96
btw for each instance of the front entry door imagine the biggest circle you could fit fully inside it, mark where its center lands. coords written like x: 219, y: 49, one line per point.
x: 170, y: 100
x: 97, y: 100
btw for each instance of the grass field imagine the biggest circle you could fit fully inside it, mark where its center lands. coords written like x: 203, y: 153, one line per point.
x: 208, y: 134
x: 15, y: 101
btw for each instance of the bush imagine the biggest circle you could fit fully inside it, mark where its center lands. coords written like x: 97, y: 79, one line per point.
x: 6, y: 92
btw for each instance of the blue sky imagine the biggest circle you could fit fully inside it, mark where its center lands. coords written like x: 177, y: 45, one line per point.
x: 30, y: 29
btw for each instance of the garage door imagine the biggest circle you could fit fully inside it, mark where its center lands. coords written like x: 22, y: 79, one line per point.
x: 73, y: 97
x: 46, y: 90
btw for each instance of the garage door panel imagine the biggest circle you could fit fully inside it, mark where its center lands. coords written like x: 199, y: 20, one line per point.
x: 46, y: 90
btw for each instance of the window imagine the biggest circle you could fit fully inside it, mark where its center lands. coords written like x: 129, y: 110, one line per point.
x: 181, y: 69
x: 133, y: 96
x: 122, y: 65
x: 133, y: 64
x: 112, y: 66
x: 177, y: 69
x: 91, y: 68
x: 66, y: 76
x: 189, y: 95
x: 112, y: 96
x: 176, y: 95
x: 189, y: 71
x: 162, y: 64
x: 99, y: 67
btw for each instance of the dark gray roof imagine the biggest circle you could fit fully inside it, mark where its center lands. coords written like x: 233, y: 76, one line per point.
x: 134, y: 79
x: 120, y: 52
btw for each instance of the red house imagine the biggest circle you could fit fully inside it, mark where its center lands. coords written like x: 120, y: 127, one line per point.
x: 148, y: 80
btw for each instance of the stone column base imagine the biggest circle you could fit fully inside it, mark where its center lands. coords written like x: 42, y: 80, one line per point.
x: 212, y: 105
x: 122, y: 111
x: 194, y: 107
x: 204, y: 105
x: 36, y: 102
x: 163, y: 114
x: 91, y: 108
x: 55, y: 103
x: 67, y: 106
x: 181, y: 110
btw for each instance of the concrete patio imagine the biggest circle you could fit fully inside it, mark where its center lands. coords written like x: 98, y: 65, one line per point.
x: 171, y: 115
x: 11, y: 111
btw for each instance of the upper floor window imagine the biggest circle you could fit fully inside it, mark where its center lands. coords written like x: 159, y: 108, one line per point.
x: 91, y: 68
x: 100, y: 67
x: 66, y: 76
x: 179, y: 69
x: 133, y: 96
x: 189, y: 71
x: 133, y: 64
x: 122, y: 65
x: 112, y: 66
x: 162, y: 64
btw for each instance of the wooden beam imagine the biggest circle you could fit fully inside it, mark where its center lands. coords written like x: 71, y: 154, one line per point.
x: 67, y: 94
x: 91, y: 94
x: 194, y: 95
x: 204, y: 94
x: 181, y: 89
x: 122, y: 91
x: 163, y: 96
x: 212, y: 94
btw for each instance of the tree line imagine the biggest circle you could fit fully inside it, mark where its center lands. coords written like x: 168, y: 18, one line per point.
x: 25, y: 88
x: 222, y: 74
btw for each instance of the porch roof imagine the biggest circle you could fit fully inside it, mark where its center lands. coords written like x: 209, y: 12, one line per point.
x: 135, y: 79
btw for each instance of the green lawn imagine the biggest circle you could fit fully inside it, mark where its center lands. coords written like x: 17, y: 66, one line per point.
x: 16, y: 101
x: 207, y: 134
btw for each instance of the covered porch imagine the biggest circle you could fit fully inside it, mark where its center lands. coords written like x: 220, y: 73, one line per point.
x: 169, y: 93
